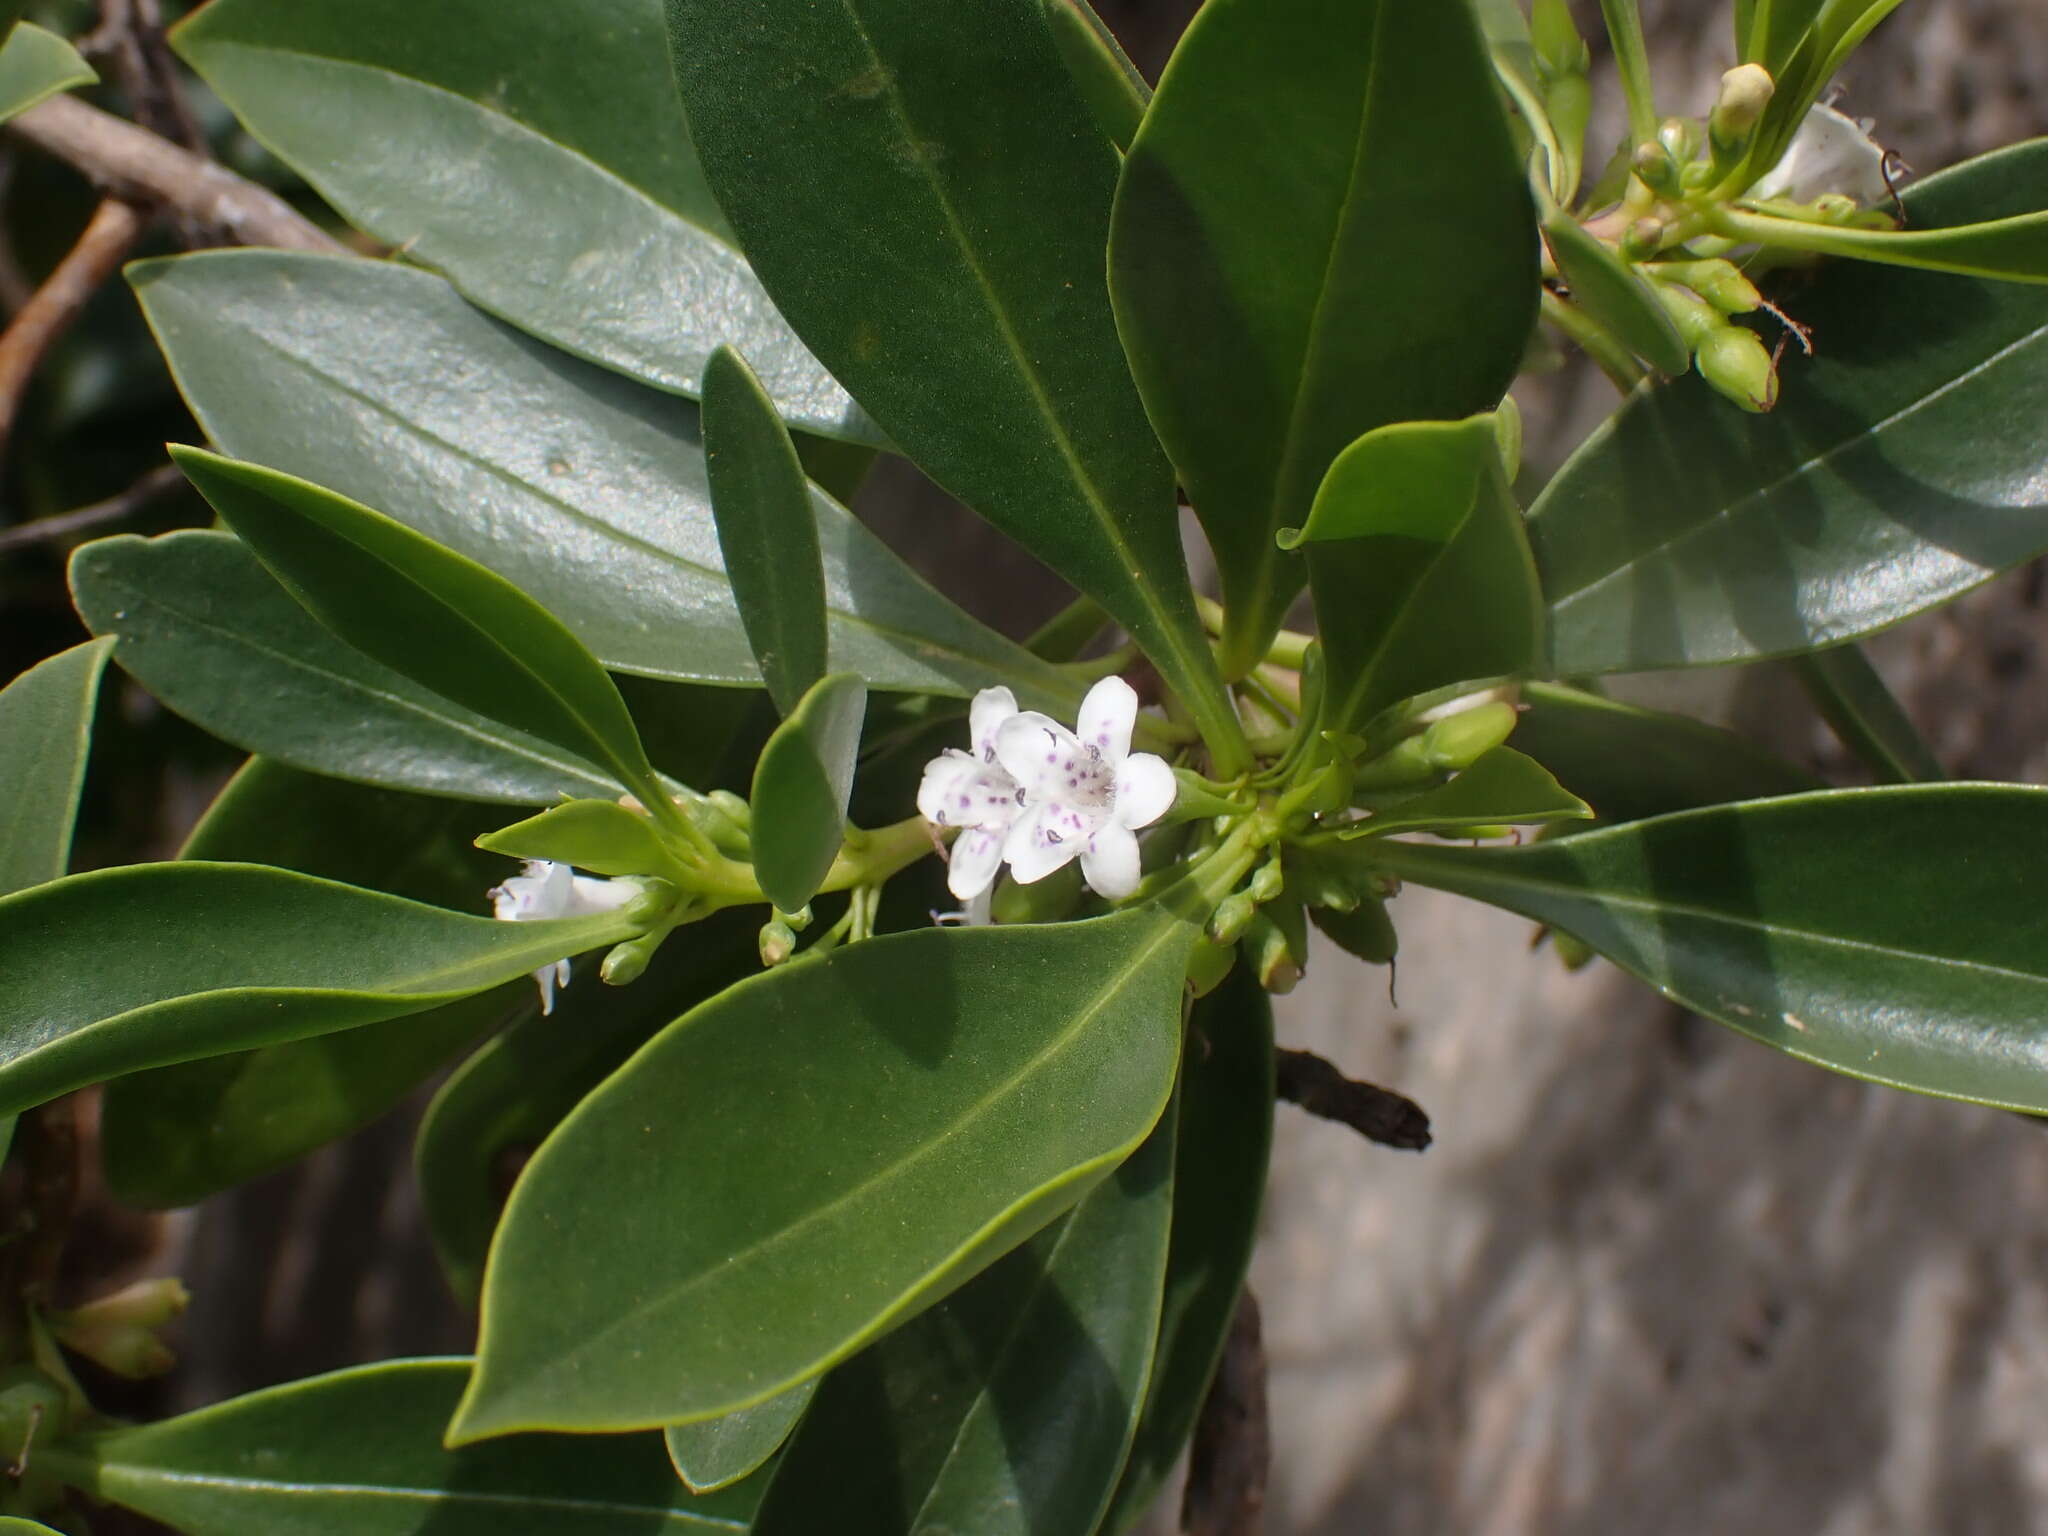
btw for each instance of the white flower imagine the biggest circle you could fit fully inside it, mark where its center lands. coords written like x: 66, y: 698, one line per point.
x: 970, y: 790
x: 1083, y: 795
x: 544, y: 890
x: 1829, y: 153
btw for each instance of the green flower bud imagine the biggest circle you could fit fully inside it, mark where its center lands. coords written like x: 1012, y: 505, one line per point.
x: 1267, y: 882
x: 1366, y: 931
x: 144, y: 1304
x: 1404, y: 766
x: 1461, y: 739
x: 1273, y: 959
x: 1735, y: 362
x: 1745, y: 91
x: 1319, y: 879
x: 1232, y: 917
x: 1656, y: 169
x: 1572, y: 952
x: 1208, y: 965
x: 1682, y: 138
x: 1719, y: 282
x: 1695, y: 318
x: 624, y: 963
x: 1644, y: 239
x: 777, y: 942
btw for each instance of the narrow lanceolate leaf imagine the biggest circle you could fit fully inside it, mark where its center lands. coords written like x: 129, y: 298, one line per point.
x: 1602, y: 285
x: 1417, y: 593
x: 601, y: 836
x: 126, y: 968
x: 177, y: 1134
x: 12, y: 1526
x: 2014, y: 250
x: 202, y: 625
x: 1219, y: 1181
x: 1807, y: 923
x: 808, y: 1159
x: 358, y: 1453
x: 716, y: 1453
x: 379, y: 381
x: 580, y: 213
x: 1287, y: 272
x: 1630, y: 763
x: 45, y: 729
x: 1864, y: 715
x: 499, y: 1105
x: 801, y: 785
x: 35, y: 64
x: 1007, y: 1408
x: 1502, y: 788
x: 1109, y: 82
x: 762, y: 504
x: 960, y: 294
x: 1901, y: 467
x: 424, y: 610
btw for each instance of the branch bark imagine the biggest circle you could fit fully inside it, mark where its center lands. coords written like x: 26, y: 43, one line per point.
x: 118, y: 508
x: 136, y: 165
x: 109, y: 236
x: 1377, y: 1114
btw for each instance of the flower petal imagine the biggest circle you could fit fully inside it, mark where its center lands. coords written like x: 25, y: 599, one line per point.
x: 1110, y: 863
x: 542, y: 889
x: 977, y: 856
x: 1831, y: 152
x: 1107, y: 715
x: 1041, y: 755
x: 991, y: 707
x: 1035, y: 849
x: 945, y: 776
x: 1145, y: 790
x: 589, y: 894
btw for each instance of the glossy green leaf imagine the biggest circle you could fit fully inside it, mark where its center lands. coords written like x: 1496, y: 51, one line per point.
x: 1109, y: 82
x: 200, y: 623
x: 1902, y: 466
x: 1219, y: 1180
x: 1615, y: 297
x: 499, y: 1105
x: 133, y: 968
x: 1274, y: 284
x: 1413, y: 478
x: 1502, y: 788
x: 2013, y: 249
x: 1862, y: 713
x: 801, y: 1163
x: 579, y: 212
x: 1630, y: 763
x: 10, y: 1526
x: 424, y: 610
x: 762, y: 505
x: 960, y: 293
x: 176, y: 1134
x: 601, y: 836
x: 1803, y: 923
x: 1006, y: 1409
x: 716, y: 1453
x: 801, y: 787
x: 45, y: 732
x: 358, y: 1453
x: 573, y: 484
x: 1421, y: 594
x: 35, y: 65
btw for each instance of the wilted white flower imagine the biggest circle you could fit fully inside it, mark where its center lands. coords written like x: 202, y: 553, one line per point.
x: 1085, y: 793
x: 971, y: 791
x: 544, y: 889
x: 1830, y: 153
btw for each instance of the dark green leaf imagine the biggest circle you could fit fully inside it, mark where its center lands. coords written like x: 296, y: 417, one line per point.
x: 801, y: 788
x: 35, y: 65
x: 1861, y: 711
x: 1005, y: 1410
x: 601, y: 836
x: 1413, y: 478
x: 1419, y: 595
x: 715, y: 1453
x: 1630, y: 763
x: 1502, y: 787
x: 208, y: 630
x: 579, y: 212
x: 426, y: 611
x: 2013, y: 249
x: 576, y: 486
x: 1274, y: 284
x: 177, y: 1134
x: 806, y: 1160
x: 1610, y: 293
x: 1892, y: 934
x: 358, y: 1453
x: 1109, y: 82
x: 762, y: 504
x: 45, y: 731
x: 1902, y: 466
x: 158, y: 963
x: 501, y: 1103
x: 12, y: 1526
x: 1219, y: 1179
x: 960, y: 292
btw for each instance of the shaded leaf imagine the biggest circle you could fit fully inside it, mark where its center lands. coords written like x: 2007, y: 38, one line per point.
x: 1109, y: 82
x: 34, y: 64
x: 1276, y: 291
x: 537, y: 158
x: 132, y: 972
x: 601, y: 836
x: 358, y: 1453
x: 831, y: 1146
x: 1501, y: 788
x: 801, y: 787
x: 45, y: 732
x: 1798, y: 922
x: 1862, y: 713
x: 1617, y: 298
x: 1901, y: 467
x: 715, y: 1453
x: 573, y: 484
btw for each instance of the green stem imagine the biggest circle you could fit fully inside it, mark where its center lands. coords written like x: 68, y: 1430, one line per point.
x: 1632, y: 58
x: 881, y: 854
x: 1614, y: 360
